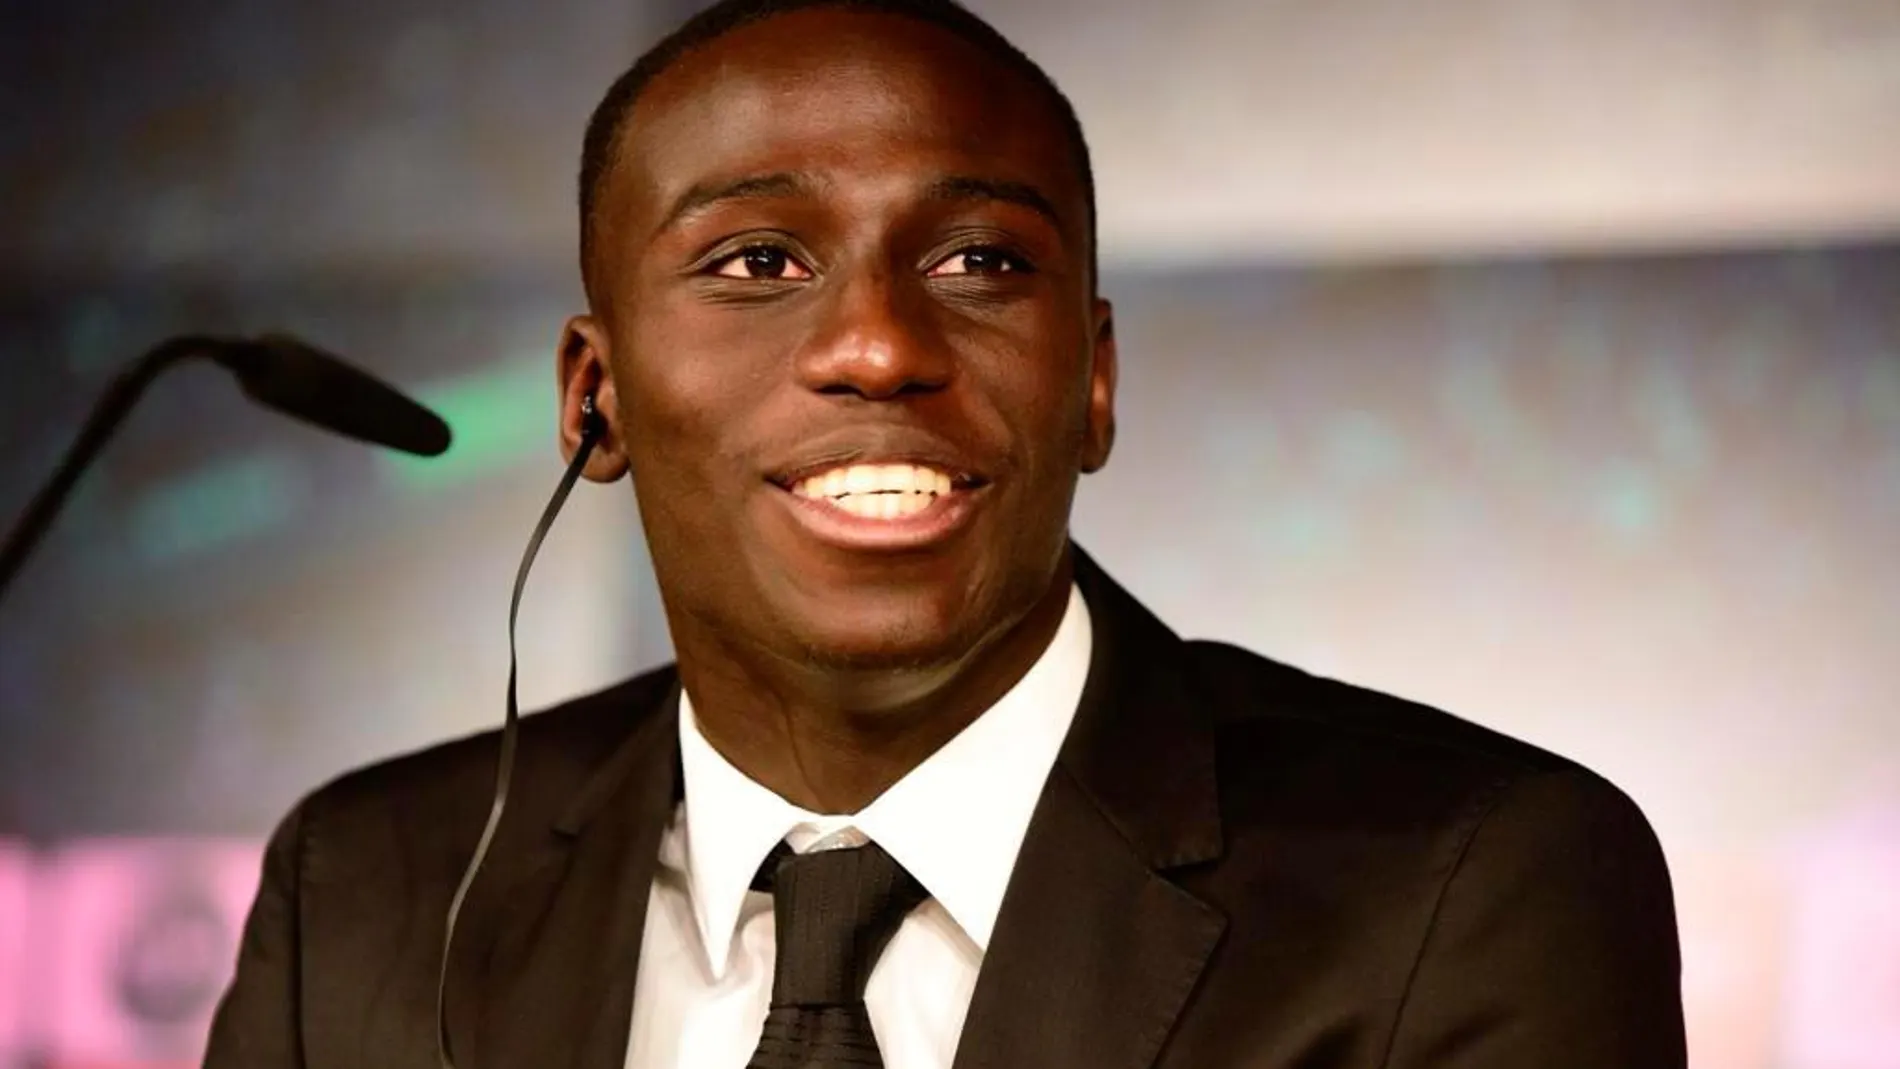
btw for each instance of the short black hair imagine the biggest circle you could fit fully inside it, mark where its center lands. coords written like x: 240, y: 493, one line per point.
x: 608, y: 123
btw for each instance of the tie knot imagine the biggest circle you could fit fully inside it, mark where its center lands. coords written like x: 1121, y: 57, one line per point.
x: 834, y: 910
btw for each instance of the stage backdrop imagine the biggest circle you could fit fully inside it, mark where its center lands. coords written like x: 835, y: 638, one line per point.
x: 1585, y: 463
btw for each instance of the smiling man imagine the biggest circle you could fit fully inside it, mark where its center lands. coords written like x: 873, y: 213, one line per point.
x: 926, y: 789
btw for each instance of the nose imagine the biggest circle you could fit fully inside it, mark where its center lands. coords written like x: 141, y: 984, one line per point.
x: 875, y: 342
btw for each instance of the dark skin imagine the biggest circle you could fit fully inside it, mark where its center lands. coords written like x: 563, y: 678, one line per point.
x: 839, y: 237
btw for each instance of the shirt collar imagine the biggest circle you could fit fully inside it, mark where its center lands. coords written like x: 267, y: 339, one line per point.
x: 956, y: 821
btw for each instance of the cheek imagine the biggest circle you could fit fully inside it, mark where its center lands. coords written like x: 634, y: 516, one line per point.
x: 691, y: 392
x: 1039, y: 385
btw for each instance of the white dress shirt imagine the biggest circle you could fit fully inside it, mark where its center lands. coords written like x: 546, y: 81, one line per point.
x: 956, y: 822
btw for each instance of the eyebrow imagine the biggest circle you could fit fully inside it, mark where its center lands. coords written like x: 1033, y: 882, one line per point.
x: 704, y: 195
x: 1022, y: 194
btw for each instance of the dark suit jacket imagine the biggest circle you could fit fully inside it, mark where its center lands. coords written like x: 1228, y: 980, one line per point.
x: 1232, y: 864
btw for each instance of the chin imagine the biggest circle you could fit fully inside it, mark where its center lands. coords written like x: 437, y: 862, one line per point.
x: 886, y: 638
x: 873, y: 627
x: 897, y: 614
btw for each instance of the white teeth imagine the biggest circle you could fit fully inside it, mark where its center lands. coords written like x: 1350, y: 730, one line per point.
x: 882, y: 506
x: 877, y: 491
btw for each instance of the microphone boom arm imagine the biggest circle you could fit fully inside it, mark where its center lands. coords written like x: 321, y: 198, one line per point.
x: 107, y: 414
x: 277, y: 371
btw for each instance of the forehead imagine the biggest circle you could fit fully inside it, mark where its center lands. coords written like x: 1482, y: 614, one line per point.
x: 840, y: 95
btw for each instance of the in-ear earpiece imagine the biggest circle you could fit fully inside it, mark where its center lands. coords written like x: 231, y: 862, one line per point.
x: 593, y: 424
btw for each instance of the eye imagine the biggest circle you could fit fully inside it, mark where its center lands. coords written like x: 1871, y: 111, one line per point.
x: 980, y: 260
x: 761, y: 262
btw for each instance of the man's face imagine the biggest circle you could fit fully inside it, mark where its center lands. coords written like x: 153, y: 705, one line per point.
x: 844, y: 319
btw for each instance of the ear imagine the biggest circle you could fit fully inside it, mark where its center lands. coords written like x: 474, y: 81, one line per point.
x: 1100, y: 437
x: 583, y: 369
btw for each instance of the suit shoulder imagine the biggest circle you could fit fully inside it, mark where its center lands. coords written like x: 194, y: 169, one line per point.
x: 1297, y: 749
x: 1254, y: 697
x: 557, y: 745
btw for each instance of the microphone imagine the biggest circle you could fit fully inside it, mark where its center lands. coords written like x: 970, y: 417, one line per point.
x: 306, y: 383
x: 275, y: 370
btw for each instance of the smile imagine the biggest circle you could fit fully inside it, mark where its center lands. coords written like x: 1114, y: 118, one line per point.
x: 882, y: 506
x: 877, y: 491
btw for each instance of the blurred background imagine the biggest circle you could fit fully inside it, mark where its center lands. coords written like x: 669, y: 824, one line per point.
x: 1538, y: 359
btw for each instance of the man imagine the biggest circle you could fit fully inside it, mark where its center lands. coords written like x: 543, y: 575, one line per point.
x: 926, y: 788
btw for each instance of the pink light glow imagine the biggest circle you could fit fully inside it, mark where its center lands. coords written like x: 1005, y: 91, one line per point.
x: 141, y: 935
x: 15, y: 872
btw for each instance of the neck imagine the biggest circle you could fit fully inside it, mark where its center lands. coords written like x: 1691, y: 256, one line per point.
x: 832, y: 740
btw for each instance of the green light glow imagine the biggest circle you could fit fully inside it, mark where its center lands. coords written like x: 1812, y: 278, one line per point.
x: 500, y: 415
x: 214, y: 506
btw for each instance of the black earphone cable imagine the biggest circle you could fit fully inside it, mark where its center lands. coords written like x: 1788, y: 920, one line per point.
x: 592, y: 428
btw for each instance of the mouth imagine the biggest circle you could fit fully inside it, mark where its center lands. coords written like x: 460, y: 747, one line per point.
x: 882, y: 505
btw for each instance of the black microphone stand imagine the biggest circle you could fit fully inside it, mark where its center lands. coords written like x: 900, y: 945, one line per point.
x: 276, y: 371
x: 107, y: 414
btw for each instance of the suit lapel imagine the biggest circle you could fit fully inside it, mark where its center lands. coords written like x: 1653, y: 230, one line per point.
x: 1096, y: 951
x: 1093, y: 955
x: 550, y: 978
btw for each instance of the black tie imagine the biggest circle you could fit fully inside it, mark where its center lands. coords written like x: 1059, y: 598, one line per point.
x: 833, y: 910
